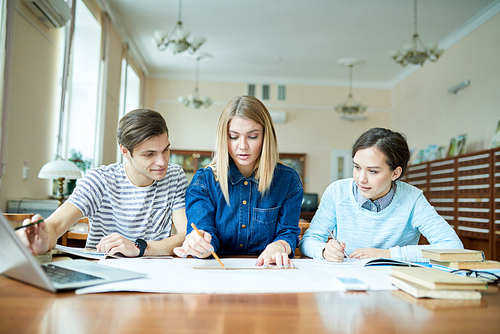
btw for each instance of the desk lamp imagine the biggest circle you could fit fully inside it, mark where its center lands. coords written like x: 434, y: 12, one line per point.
x: 60, y: 169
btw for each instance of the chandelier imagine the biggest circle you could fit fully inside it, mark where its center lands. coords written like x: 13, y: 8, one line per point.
x: 176, y: 41
x: 350, y: 108
x: 194, y: 100
x: 409, y: 53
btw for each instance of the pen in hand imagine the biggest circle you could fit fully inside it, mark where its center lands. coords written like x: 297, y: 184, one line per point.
x: 333, y: 237
x: 28, y: 225
x: 213, y: 253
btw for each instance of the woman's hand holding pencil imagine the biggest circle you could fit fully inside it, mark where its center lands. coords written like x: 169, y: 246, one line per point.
x: 197, y: 243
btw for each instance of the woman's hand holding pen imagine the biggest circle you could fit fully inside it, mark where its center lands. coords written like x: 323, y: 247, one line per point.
x: 195, y: 245
x: 35, y: 237
x: 275, y: 253
x: 334, y: 251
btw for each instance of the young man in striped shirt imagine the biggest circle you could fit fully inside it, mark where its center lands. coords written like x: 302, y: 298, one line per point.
x: 131, y: 206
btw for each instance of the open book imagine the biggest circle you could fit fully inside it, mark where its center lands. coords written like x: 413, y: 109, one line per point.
x: 380, y: 261
x: 389, y: 262
x: 93, y: 254
x: 84, y: 252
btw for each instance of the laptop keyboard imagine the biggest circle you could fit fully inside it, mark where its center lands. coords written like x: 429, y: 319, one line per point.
x: 63, y: 275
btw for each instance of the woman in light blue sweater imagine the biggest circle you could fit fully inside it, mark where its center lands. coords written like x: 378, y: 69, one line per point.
x: 374, y: 214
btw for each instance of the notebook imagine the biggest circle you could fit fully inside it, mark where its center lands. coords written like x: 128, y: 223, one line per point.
x: 16, y: 262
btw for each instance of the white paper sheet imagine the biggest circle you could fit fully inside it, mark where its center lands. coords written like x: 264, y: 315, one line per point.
x: 178, y: 276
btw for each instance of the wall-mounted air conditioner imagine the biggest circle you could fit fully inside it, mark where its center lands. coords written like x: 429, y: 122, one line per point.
x: 53, y: 13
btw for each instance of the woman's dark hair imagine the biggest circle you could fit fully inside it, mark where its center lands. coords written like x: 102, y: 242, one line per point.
x: 138, y: 126
x: 392, y: 144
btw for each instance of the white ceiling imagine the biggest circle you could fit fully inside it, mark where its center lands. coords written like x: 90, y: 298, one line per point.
x: 294, y: 41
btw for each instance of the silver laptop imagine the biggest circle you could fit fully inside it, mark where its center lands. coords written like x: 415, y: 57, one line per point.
x: 17, y: 262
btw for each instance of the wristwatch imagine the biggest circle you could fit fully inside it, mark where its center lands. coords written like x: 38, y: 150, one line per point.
x: 141, y: 244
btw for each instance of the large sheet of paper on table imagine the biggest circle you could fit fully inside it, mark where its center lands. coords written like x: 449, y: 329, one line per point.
x: 180, y: 276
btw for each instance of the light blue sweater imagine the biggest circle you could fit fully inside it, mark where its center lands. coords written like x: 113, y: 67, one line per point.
x: 397, y: 227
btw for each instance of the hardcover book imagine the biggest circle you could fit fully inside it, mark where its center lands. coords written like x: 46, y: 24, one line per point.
x: 457, y: 145
x: 436, y: 279
x: 450, y: 255
x: 419, y: 291
x: 418, y: 159
x: 487, y: 264
x: 495, y: 141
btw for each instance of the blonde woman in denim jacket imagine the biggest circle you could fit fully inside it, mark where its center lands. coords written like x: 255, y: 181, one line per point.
x: 245, y: 201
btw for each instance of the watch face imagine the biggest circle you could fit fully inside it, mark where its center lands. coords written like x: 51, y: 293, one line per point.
x: 141, y: 244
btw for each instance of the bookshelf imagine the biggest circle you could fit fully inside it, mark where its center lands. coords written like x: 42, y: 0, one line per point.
x: 465, y: 190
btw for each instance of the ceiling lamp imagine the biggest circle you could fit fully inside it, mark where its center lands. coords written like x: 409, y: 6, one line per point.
x: 409, y: 53
x: 350, y: 108
x: 194, y: 100
x: 176, y: 41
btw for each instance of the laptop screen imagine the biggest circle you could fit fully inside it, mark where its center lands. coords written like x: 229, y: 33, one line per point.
x: 16, y: 261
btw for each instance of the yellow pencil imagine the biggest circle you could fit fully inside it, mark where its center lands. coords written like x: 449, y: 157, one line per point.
x: 213, y: 253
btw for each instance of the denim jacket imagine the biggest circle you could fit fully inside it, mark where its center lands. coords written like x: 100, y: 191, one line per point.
x: 251, y: 221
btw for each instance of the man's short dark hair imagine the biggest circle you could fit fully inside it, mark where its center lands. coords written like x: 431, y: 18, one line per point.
x: 138, y: 126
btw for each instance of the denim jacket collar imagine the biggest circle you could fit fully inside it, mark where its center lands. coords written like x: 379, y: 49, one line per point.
x: 235, y: 176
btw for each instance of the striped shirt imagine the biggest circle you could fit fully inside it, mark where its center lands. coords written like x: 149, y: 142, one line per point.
x: 114, y: 204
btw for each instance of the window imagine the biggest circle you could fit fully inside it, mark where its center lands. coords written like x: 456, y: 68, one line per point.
x: 130, y: 94
x: 83, y: 105
x: 281, y: 92
x: 251, y: 89
x: 265, y: 92
x: 130, y: 90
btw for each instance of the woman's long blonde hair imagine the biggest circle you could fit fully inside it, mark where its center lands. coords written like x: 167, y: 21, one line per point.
x: 251, y: 108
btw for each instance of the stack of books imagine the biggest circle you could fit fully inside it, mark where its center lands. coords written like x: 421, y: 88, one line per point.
x: 459, y: 258
x: 423, y: 282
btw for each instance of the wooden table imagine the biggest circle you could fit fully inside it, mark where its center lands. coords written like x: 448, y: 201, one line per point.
x: 25, y: 309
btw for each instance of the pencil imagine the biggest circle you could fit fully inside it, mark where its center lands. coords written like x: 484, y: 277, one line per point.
x: 28, y: 225
x: 213, y: 253
x: 333, y: 237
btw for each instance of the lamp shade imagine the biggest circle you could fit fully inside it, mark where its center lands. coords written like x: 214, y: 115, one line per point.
x: 60, y: 169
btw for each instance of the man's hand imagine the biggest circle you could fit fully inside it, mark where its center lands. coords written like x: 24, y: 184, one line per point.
x: 115, y: 243
x: 35, y: 237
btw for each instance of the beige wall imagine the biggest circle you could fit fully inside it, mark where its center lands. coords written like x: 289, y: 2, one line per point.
x: 312, y: 126
x: 32, y: 115
x: 428, y: 114
x: 422, y: 108
x: 33, y: 112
